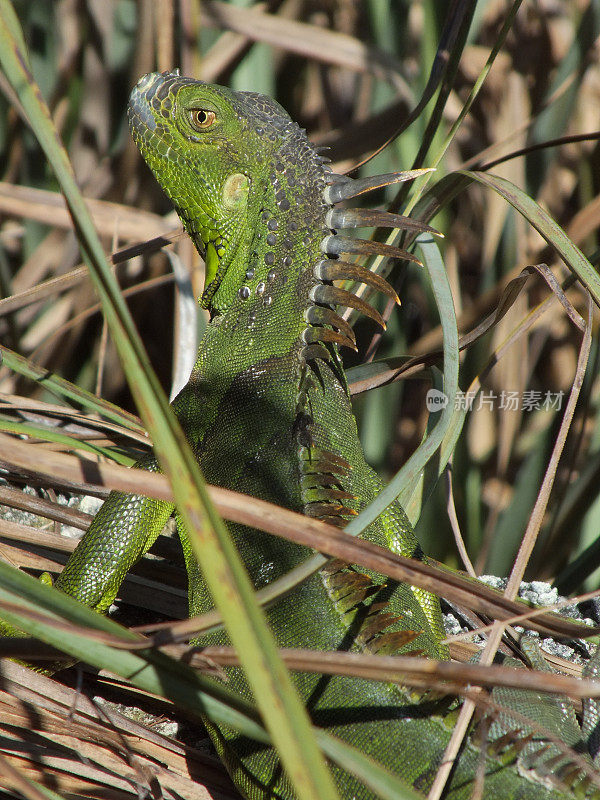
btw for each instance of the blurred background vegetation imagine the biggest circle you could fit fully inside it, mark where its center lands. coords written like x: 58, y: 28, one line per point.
x: 351, y: 73
x: 351, y: 76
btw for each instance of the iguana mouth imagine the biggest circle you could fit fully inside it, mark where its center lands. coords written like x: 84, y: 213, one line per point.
x: 148, y: 104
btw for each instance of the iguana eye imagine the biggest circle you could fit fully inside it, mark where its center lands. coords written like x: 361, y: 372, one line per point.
x: 202, y: 118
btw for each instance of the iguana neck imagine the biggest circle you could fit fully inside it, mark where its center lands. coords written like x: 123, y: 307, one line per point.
x: 260, y: 305
x: 270, y: 266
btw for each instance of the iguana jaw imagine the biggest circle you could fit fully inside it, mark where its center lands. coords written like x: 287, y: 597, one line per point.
x: 211, y: 202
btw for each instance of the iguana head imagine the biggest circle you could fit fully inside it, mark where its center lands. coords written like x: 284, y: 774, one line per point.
x: 212, y: 150
x: 259, y: 203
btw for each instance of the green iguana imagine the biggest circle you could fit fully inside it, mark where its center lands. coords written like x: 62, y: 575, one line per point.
x: 268, y: 413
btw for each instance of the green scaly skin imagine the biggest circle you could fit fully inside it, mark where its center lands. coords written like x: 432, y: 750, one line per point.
x: 271, y: 417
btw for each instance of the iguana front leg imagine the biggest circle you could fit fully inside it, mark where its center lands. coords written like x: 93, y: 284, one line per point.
x: 124, y: 528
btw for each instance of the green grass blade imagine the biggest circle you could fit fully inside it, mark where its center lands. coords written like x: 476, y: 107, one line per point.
x: 417, y: 482
x: 561, y: 95
x: 546, y: 227
x: 49, y: 435
x: 157, y: 673
x: 456, y: 53
x: 407, y: 480
x: 147, y: 670
x: 373, y: 775
x: 459, y: 20
x: 65, y: 390
x: 47, y: 792
x: 442, y: 192
x: 284, y: 714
